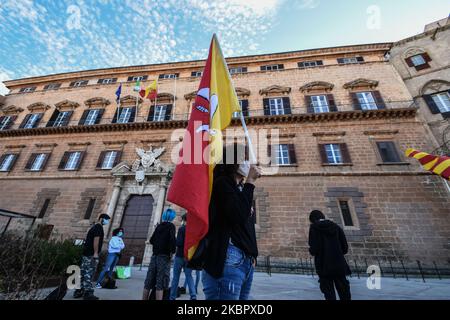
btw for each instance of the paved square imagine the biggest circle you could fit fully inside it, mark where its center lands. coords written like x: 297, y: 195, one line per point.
x: 298, y: 287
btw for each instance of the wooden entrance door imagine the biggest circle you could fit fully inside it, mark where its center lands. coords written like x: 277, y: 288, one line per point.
x: 136, y: 222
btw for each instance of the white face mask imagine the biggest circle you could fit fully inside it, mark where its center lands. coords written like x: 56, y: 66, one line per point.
x: 244, y: 168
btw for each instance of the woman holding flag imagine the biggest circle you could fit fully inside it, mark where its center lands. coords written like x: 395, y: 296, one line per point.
x: 220, y: 234
x: 232, y: 249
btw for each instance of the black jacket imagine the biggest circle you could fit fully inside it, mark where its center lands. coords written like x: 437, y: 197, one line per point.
x: 328, y: 245
x: 180, y: 241
x: 163, y: 239
x: 230, y: 217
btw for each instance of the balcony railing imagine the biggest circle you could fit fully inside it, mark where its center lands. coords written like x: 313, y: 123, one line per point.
x: 251, y: 113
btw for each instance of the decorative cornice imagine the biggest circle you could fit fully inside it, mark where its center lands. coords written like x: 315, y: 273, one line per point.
x: 166, y: 96
x: 10, y: 110
x: 38, y: 106
x: 435, y: 85
x: 97, y: 101
x: 67, y: 104
x: 361, y: 83
x: 156, y: 140
x: 413, y: 51
x: 242, y: 92
x: 317, y: 85
x: 78, y: 144
x: 380, y: 132
x: 282, y: 135
x: 15, y: 146
x: 329, y: 134
x: 190, y: 95
x: 130, y: 99
x: 259, y: 120
x: 275, y: 89
x: 120, y: 142
x: 46, y: 145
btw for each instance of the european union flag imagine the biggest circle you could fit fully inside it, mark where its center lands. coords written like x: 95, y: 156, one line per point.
x: 118, y: 93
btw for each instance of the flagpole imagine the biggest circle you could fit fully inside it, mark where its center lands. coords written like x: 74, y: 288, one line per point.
x: 174, y: 96
x: 249, y: 140
x: 156, y: 97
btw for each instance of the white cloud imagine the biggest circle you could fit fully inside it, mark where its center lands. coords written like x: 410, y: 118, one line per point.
x: 4, y: 76
x: 114, y: 33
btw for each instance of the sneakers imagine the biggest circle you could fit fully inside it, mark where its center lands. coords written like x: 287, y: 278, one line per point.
x: 182, y: 290
x: 90, y: 297
x: 98, y: 286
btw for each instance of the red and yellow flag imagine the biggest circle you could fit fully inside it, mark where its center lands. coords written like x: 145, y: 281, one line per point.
x: 439, y: 165
x: 150, y: 92
x: 212, y: 112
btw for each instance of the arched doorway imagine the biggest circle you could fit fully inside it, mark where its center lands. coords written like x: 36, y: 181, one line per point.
x: 136, y: 222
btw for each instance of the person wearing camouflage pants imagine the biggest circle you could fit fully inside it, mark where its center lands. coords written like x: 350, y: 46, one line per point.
x: 89, y: 261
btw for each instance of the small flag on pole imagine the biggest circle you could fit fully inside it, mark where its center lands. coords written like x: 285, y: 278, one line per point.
x: 118, y: 93
x: 150, y: 92
x: 439, y: 165
x: 137, y: 86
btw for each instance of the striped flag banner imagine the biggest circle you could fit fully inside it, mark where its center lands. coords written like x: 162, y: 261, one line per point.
x: 439, y: 165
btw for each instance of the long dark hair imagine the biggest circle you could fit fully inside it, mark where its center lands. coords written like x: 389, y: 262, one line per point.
x: 232, y: 156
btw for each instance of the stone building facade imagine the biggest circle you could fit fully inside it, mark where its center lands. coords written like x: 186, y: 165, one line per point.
x: 423, y: 62
x: 344, y: 118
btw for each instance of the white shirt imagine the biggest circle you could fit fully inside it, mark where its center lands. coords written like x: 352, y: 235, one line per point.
x: 116, y: 245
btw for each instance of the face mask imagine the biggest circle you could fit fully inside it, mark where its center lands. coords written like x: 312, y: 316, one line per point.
x: 120, y: 234
x: 244, y: 169
x: 105, y: 222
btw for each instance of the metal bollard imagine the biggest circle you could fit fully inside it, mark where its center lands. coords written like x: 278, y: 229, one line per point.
x: 404, y: 270
x: 421, y: 272
x: 437, y: 270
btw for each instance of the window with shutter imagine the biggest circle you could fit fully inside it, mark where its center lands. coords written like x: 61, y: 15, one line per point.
x: 331, y: 103
x: 319, y: 104
x: 7, y: 162
x: 160, y: 113
x: 276, y: 106
x: 37, y: 161
x: 310, y: 64
x: 89, y: 209
x: 442, y: 101
x: 109, y: 160
x: 388, y: 151
x: 346, y: 213
x: 52, y: 86
x: 367, y: 101
x: 31, y: 121
x: 4, y: 122
x: 331, y: 153
x: 44, y: 209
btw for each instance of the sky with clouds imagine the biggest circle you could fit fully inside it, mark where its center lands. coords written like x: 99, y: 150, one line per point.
x: 40, y: 37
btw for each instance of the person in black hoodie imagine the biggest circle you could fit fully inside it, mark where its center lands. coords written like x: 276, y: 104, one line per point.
x: 232, y: 250
x: 328, y: 245
x: 164, y: 245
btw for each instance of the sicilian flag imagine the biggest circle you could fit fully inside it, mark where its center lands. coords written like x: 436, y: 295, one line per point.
x: 150, y: 92
x: 439, y: 165
x: 118, y: 93
x: 191, y: 186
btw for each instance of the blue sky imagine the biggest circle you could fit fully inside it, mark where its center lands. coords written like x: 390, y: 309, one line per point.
x: 40, y: 37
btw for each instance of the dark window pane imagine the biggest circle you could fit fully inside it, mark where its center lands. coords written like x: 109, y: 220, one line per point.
x: 89, y: 209
x: 388, y: 151
x: 346, y: 215
x: 44, y: 208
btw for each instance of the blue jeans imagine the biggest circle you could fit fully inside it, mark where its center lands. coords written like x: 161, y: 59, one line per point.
x: 236, y: 281
x: 198, y: 275
x: 110, y: 264
x: 178, y: 264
